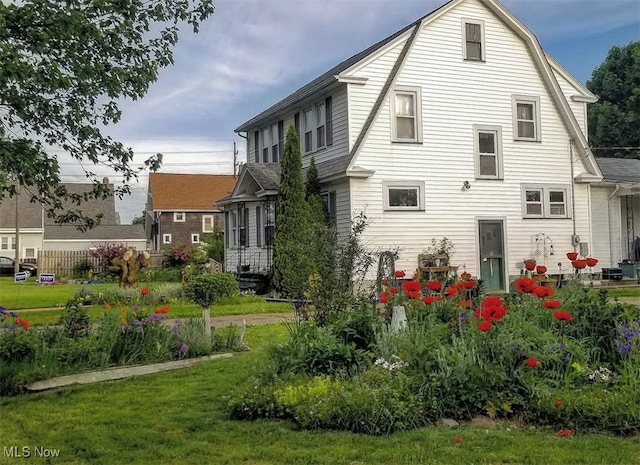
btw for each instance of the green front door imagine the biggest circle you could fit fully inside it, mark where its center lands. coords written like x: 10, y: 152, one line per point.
x: 491, y: 254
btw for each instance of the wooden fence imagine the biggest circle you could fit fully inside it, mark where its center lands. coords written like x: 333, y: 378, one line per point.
x: 63, y: 262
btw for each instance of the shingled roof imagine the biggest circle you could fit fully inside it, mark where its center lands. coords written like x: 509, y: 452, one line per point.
x: 620, y: 169
x: 30, y: 213
x: 107, y: 233
x: 188, y: 192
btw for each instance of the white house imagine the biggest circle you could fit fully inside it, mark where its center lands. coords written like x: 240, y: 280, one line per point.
x: 457, y: 126
x: 615, y: 212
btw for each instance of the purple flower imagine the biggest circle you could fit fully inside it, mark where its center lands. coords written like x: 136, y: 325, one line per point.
x: 184, y: 348
x: 512, y: 346
x: 623, y: 347
x: 463, y: 316
x: 138, y: 329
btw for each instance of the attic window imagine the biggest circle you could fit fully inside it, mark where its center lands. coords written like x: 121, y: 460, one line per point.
x: 179, y: 217
x: 473, y: 45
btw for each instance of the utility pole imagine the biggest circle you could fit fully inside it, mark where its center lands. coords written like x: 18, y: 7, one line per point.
x: 235, y: 157
x: 17, y: 242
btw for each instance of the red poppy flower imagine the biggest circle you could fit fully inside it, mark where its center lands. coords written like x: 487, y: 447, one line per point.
x: 161, y: 310
x: 465, y: 275
x: 434, y: 285
x: 485, y: 326
x: 145, y: 290
x: 579, y: 264
x: 23, y: 322
x: 532, y: 362
x: 558, y: 403
x: 561, y: 315
x: 427, y: 299
x: 467, y: 284
x: 541, y: 269
x: 524, y: 285
x: 551, y: 304
x: 385, y: 282
x: 451, y: 291
x: 565, y: 432
x: 530, y: 265
x: 393, y: 290
x: 542, y: 291
x: 399, y: 274
x: 465, y: 303
x: 591, y: 261
x: 411, y: 286
x: 572, y: 255
x: 384, y: 297
x: 437, y: 297
x: 413, y: 295
x: 457, y: 439
x: 492, y: 308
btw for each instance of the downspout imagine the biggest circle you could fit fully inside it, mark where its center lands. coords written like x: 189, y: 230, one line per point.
x: 613, y: 194
x: 573, y: 197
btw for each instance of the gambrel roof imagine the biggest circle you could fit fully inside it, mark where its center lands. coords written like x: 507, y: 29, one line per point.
x: 344, y: 165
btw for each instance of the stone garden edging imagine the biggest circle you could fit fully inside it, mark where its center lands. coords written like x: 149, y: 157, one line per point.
x: 120, y: 373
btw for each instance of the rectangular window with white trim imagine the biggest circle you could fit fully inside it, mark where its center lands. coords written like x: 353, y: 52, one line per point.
x: 488, y: 151
x: 195, y: 238
x: 406, y: 112
x: 526, y: 118
x: 266, y: 142
x: 179, y: 217
x: 207, y: 223
x: 403, y: 195
x: 320, y: 126
x: 543, y: 201
x: 4, y: 243
x: 473, y: 42
x: 166, y: 238
x: 309, y: 126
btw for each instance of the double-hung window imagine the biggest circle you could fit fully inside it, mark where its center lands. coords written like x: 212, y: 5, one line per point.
x: 526, y: 118
x: 403, y: 195
x: 269, y: 222
x: 234, y: 228
x: 406, y: 114
x: 473, y: 43
x: 320, y: 126
x: 330, y: 207
x: 243, y: 221
x: 274, y: 143
x: 207, y: 223
x: 4, y: 244
x: 488, y: 151
x: 542, y: 201
x: 308, y: 130
x: 266, y: 141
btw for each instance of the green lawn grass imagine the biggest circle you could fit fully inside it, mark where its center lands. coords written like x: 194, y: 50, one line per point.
x: 177, y: 418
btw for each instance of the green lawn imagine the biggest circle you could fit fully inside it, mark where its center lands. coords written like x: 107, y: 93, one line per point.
x: 33, y: 295
x: 177, y: 418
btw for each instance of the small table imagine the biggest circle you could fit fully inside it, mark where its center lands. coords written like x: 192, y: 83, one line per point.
x: 439, y: 269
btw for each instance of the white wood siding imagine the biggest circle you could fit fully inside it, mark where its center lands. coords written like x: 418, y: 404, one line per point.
x: 363, y: 97
x: 578, y: 108
x: 457, y: 94
x: 601, y: 221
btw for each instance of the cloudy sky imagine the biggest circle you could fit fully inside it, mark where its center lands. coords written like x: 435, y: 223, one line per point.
x: 252, y: 53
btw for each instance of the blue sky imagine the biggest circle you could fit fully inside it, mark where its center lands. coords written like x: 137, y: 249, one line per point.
x: 252, y: 53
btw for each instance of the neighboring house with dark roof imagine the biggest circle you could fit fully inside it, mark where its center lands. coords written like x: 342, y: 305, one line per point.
x: 38, y: 232
x: 31, y: 226
x: 180, y: 207
x: 615, y: 209
x: 458, y: 126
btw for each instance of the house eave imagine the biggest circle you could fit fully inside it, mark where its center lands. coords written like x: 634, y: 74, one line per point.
x: 587, y: 178
x: 359, y: 80
x: 584, y: 98
x: 360, y: 173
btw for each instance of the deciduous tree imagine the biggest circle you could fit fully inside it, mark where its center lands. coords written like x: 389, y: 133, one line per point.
x: 614, y: 121
x: 64, y: 65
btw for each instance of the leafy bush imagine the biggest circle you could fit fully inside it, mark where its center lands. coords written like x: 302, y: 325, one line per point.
x: 75, y: 319
x: 172, y: 275
x: 177, y: 254
x: 82, y: 268
x: 206, y: 289
x: 107, y: 252
x: 316, y: 351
